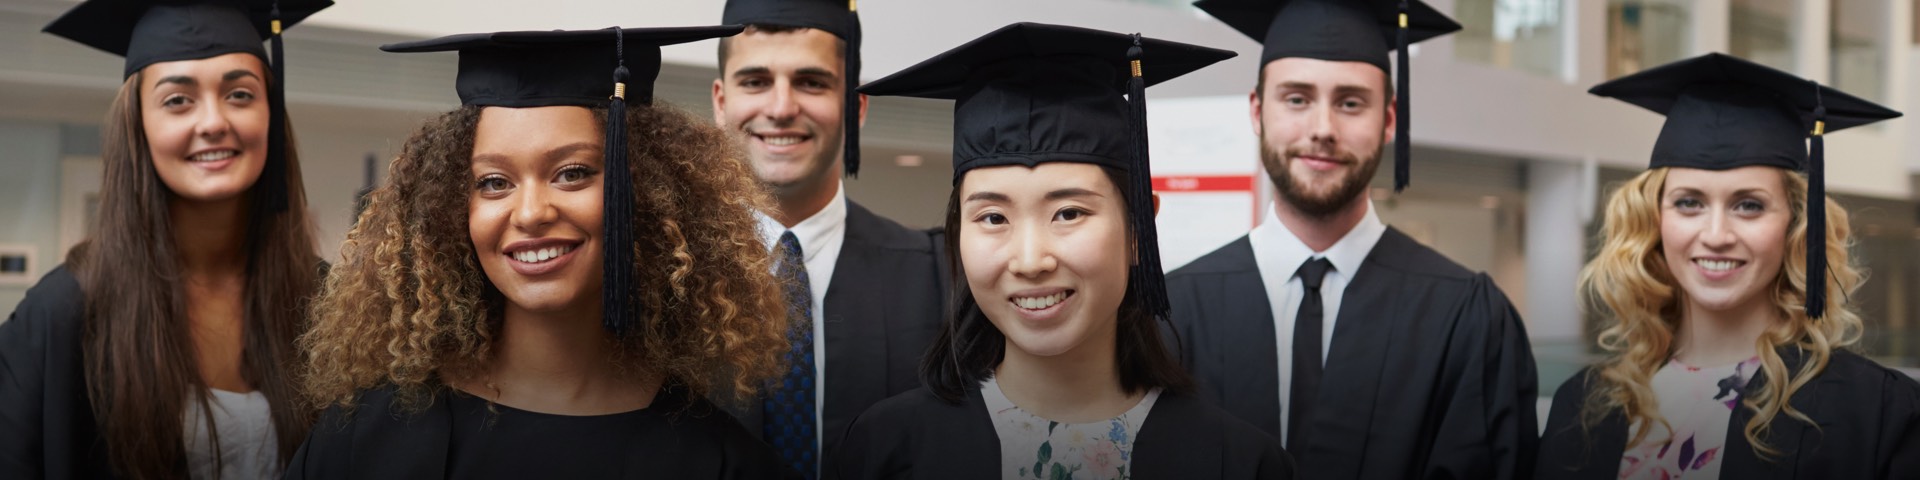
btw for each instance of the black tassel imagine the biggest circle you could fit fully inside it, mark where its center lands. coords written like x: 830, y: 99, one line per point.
x: 618, y: 263
x: 851, y: 148
x: 1147, y: 280
x: 1817, y: 211
x: 1403, y: 126
x: 274, y: 176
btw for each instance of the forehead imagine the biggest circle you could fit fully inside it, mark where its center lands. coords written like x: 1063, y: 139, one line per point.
x: 1325, y: 74
x: 1020, y: 181
x: 516, y: 132
x: 1752, y: 177
x: 204, y: 68
x: 792, y: 49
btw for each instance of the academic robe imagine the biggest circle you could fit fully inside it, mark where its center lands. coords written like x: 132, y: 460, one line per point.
x: 1868, y: 417
x: 1429, y: 374
x: 917, y: 435
x: 47, y: 428
x: 883, y: 308
x: 696, y: 441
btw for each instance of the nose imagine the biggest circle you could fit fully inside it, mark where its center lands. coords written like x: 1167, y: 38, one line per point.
x: 784, y: 107
x: 1320, y: 123
x: 1032, y: 253
x: 212, y: 123
x: 534, y: 208
x: 1719, y: 231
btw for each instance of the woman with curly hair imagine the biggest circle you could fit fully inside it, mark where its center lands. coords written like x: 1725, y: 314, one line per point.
x: 1726, y: 273
x: 164, y: 346
x: 551, y: 283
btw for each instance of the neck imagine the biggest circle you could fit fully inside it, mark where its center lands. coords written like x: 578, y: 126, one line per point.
x: 1079, y: 386
x: 557, y: 362
x: 1320, y: 232
x: 210, y: 237
x: 1720, y: 337
x: 796, y: 203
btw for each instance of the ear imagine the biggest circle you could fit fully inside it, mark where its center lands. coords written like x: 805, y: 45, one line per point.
x: 1393, y: 116
x: 1156, y: 204
x: 1253, y: 111
x: 863, y: 109
x: 719, y: 103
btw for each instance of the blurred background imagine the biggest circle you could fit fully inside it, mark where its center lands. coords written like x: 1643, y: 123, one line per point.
x: 1512, y: 158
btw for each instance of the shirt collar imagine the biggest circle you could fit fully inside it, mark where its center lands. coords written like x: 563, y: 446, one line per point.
x: 812, y: 232
x: 1347, y: 254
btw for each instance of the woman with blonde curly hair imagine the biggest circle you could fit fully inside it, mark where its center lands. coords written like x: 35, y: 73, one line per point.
x: 551, y: 282
x: 1725, y: 364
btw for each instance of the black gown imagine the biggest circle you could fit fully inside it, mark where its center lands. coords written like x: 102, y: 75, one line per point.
x: 883, y: 308
x: 1868, y: 416
x: 1429, y: 374
x: 917, y: 435
x: 680, y: 436
x: 47, y: 429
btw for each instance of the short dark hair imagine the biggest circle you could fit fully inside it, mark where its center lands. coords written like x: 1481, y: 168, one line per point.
x: 969, y: 347
x: 726, y: 43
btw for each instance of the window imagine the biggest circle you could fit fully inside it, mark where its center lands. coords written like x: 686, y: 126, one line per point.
x: 1858, y: 47
x: 1646, y: 33
x: 1763, y: 31
x: 1525, y: 35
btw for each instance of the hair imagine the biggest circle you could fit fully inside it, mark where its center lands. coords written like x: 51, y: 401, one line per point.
x: 1629, y: 279
x: 138, y: 350
x: 726, y: 43
x: 970, y: 347
x: 410, y: 304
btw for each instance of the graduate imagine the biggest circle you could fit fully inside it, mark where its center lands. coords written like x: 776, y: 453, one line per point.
x: 1725, y: 273
x: 164, y: 346
x: 1370, y: 355
x: 869, y: 288
x: 557, y: 274
x: 1051, y: 363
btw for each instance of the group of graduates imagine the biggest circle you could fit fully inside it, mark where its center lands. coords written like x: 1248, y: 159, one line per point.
x: 563, y: 278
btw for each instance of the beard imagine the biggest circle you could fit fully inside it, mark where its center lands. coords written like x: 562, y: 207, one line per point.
x: 1318, y: 201
x: 818, y: 166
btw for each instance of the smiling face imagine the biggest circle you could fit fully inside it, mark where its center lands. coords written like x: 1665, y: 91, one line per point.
x: 535, y: 209
x: 206, y: 124
x: 781, y: 95
x: 1322, y: 125
x: 1724, y: 233
x: 1045, y: 253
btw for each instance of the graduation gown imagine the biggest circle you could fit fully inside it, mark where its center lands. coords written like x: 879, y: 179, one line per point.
x: 47, y: 429
x: 1429, y: 374
x: 917, y: 435
x: 700, y: 441
x: 883, y: 308
x: 1868, y: 416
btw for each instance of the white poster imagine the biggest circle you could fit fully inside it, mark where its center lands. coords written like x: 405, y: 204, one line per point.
x: 1206, y: 168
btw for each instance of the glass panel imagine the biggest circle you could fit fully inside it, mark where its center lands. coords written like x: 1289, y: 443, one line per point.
x: 1523, y: 35
x: 1858, y: 58
x: 1646, y: 33
x: 1763, y: 31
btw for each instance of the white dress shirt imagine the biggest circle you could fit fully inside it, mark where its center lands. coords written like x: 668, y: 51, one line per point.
x: 1279, y: 254
x: 821, y: 236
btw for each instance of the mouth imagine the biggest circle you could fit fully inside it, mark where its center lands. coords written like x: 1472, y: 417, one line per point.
x: 1717, y: 268
x: 535, y: 257
x: 1040, y: 302
x: 782, y: 139
x: 1319, y: 163
x: 541, y: 255
x: 213, y: 155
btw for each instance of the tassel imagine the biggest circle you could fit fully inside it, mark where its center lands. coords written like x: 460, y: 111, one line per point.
x: 851, y: 149
x: 1817, y: 212
x: 1402, y: 141
x: 274, y: 176
x: 1147, y: 280
x: 618, y: 262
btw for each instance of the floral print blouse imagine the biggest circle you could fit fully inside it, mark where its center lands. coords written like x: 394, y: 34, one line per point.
x: 1036, y: 448
x: 1697, y: 402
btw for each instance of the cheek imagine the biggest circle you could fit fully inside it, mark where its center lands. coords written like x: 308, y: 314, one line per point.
x: 484, y: 221
x: 252, y: 124
x: 980, y: 258
x: 1675, y: 236
x: 1768, y: 240
x: 167, y: 135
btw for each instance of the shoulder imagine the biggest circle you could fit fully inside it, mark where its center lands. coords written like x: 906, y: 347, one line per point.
x: 1401, y: 253
x: 1857, y: 373
x: 52, y: 308
x: 1234, y: 257
x: 869, y: 229
x: 1186, y: 427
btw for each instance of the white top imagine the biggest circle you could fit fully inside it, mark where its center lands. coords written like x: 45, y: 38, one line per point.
x: 1279, y: 254
x: 1698, y: 404
x: 249, y: 448
x: 1034, y: 447
x: 821, y: 236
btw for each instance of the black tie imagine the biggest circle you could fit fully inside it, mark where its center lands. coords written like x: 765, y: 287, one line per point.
x: 1306, y: 352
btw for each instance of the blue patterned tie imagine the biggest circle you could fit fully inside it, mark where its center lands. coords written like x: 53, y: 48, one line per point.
x: 790, y: 424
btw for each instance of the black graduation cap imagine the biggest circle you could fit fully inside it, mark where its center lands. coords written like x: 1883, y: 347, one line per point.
x: 1031, y: 93
x: 1343, y: 31
x: 583, y: 68
x: 152, y: 31
x: 1724, y: 112
x: 838, y: 17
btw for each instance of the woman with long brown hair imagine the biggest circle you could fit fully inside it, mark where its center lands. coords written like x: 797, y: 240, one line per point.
x: 164, y: 347
x: 557, y: 274
x: 1726, y: 274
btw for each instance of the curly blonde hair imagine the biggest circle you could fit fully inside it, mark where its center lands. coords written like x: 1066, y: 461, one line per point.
x: 1629, y: 279
x: 409, y: 305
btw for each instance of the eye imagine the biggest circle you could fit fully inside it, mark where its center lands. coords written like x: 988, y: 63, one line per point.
x: 492, y: 184
x: 240, y: 96
x: 1352, y: 104
x: 1750, y: 206
x: 815, y: 84
x: 175, y: 100
x: 1688, y: 204
x: 575, y: 174
x: 1296, y: 100
x: 1070, y: 214
x: 753, y: 82
x: 994, y: 219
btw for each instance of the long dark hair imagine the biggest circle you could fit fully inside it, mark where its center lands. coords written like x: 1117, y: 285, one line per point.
x: 970, y: 347
x: 141, y: 371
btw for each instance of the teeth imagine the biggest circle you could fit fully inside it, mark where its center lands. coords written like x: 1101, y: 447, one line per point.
x: 1717, y: 265
x: 540, y: 255
x: 1037, y: 303
x: 213, y: 156
x: 781, y: 141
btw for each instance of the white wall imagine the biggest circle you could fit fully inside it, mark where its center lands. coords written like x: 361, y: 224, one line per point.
x: 30, y: 190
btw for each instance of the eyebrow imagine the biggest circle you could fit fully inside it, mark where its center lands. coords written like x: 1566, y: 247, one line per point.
x: 1751, y: 192
x: 752, y: 70
x: 237, y: 74
x: 188, y: 81
x: 817, y: 72
x: 987, y: 197
x: 1067, y: 193
x: 550, y: 156
x: 1348, y: 89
